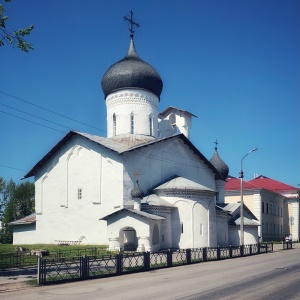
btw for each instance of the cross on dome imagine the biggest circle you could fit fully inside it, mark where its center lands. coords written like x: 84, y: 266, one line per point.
x: 216, y: 143
x: 132, y: 23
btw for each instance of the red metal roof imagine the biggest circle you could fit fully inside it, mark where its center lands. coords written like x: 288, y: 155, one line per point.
x: 271, y: 184
x: 234, y: 184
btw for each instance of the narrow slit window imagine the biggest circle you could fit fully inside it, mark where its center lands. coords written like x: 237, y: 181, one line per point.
x: 79, y: 194
x: 114, y: 125
x: 132, y: 124
x: 181, y: 227
x: 150, y: 125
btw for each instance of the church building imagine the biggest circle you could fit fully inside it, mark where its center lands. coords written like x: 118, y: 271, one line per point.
x: 144, y: 187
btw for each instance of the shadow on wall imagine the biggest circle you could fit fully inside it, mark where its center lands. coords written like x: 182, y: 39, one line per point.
x: 176, y: 228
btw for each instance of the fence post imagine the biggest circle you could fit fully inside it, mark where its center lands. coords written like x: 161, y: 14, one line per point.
x: 230, y: 251
x: 146, y: 261
x: 39, y: 271
x: 84, y: 267
x: 218, y: 253
x: 169, y: 258
x: 188, y: 256
x: 241, y: 250
x: 258, y: 248
x: 119, y: 262
x: 250, y: 249
x: 205, y: 254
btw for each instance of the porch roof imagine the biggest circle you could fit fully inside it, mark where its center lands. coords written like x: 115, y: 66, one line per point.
x: 136, y: 212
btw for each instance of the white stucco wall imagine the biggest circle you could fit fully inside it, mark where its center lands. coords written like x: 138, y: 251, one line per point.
x: 22, y: 234
x: 222, y: 230
x: 176, y: 121
x: 140, y: 104
x: 250, y: 235
x: 161, y: 161
x: 83, y: 165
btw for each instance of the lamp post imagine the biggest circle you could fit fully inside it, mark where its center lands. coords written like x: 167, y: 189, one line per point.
x: 242, y: 200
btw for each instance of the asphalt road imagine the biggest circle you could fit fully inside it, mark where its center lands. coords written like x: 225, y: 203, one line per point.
x: 268, y: 276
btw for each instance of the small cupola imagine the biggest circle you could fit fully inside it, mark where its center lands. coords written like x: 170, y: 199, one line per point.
x: 218, y: 163
x: 137, y: 195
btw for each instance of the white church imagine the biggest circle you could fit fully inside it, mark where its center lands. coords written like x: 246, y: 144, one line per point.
x: 144, y: 187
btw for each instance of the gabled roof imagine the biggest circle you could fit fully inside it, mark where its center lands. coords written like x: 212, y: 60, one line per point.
x: 235, y: 208
x: 234, y: 184
x: 162, y: 114
x: 119, y: 148
x: 271, y: 184
x: 154, y: 200
x: 136, y: 212
x: 247, y: 222
x: 181, y: 183
x: 26, y: 220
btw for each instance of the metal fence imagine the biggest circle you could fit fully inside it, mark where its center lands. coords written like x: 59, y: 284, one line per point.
x: 53, y: 270
x: 28, y: 259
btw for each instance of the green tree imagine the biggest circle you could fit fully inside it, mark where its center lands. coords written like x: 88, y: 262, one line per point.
x: 19, y: 204
x: 16, y: 37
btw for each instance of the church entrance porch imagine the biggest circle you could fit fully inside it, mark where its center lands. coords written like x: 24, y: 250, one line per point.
x: 128, y: 239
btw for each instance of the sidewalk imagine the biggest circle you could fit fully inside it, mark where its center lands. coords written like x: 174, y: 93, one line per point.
x: 15, y: 279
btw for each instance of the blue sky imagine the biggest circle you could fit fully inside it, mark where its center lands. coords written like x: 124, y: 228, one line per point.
x: 234, y: 64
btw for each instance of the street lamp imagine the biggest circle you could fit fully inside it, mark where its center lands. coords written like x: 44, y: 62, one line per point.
x: 242, y: 201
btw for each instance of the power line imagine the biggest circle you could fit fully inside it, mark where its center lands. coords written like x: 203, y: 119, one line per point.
x: 13, y: 168
x: 32, y: 122
x: 34, y: 116
x: 51, y: 111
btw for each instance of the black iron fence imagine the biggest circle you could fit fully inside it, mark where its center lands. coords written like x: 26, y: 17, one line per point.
x: 53, y: 270
x: 30, y: 259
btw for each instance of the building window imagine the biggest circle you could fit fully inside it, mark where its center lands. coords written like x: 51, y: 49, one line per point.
x: 281, y: 211
x: 271, y: 209
x: 263, y: 207
x: 181, y: 227
x: 267, y: 207
x: 150, y: 125
x: 263, y: 228
x: 132, y: 124
x: 278, y: 209
x: 79, y: 194
x: 114, y: 125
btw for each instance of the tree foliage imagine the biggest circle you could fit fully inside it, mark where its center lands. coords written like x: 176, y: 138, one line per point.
x: 16, y: 37
x: 16, y: 202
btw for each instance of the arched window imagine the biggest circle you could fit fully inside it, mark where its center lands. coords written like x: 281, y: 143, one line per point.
x: 155, y: 236
x: 150, y: 125
x: 114, y: 124
x: 132, y: 123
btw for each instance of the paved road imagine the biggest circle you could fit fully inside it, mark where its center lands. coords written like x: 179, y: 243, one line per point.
x: 269, y: 276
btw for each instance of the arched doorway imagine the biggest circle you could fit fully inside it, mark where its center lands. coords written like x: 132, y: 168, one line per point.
x: 128, y: 239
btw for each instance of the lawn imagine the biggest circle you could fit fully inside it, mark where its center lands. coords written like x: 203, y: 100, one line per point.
x: 53, y: 248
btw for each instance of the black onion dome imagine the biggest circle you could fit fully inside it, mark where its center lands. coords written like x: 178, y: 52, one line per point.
x: 220, y: 165
x: 136, y: 192
x: 131, y: 72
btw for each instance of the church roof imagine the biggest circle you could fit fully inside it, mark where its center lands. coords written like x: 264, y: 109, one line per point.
x: 131, y: 72
x: 219, y: 164
x: 234, y: 208
x: 166, y: 111
x: 119, y: 147
x: 181, y: 183
x: 136, y: 212
x: 154, y: 200
x: 247, y: 222
x: 26, y: 220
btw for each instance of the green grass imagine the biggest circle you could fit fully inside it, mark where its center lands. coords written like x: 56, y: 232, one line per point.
x: 52, y: 248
